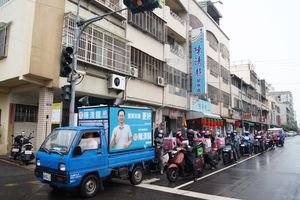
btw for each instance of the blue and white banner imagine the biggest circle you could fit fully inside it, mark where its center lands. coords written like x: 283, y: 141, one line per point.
x: 201, y: 106
x: 198, y: 61
x: 93, y: 113
x: 129, y: 129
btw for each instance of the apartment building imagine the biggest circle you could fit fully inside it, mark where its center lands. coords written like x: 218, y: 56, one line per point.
x: 217, y: 97
x: 255, y: 106
x: 284, y: 101
x: 150, y: 53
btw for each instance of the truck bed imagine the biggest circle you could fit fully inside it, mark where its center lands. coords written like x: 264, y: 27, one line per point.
x: 130, y: 157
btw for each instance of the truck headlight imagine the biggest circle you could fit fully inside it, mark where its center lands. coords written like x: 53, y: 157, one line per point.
x: 38, y: 163
x: 62, y: 167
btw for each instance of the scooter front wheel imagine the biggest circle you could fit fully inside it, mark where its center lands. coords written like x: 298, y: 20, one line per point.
x: 172, y: 174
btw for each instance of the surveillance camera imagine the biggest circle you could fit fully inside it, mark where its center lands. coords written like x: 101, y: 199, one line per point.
x: 80, y: 72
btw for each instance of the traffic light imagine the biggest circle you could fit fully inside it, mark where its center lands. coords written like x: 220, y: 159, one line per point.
x: 66, y: 95
x: 66, y: 61
x: 137, y: 6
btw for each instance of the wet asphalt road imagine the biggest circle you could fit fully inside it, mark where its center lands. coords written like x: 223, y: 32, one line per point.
x: 273, y: 175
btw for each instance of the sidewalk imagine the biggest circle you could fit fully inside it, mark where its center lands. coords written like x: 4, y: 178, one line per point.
x: 8, y: 159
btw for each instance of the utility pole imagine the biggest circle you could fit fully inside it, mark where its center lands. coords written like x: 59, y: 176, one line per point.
x: 242, y: 106
x: 79, y: 28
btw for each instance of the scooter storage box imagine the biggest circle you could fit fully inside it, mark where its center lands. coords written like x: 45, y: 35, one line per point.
x: 169, y: 143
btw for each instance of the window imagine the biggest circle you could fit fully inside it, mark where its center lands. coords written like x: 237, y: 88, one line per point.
x: 4, y: 29
x: 226, y: 99
x: 90, y: 141
x: 213, y: 94
x: 212, y: 40
x: 213, y: 66
x: 149, y: 68
x: 237, y: 103
x: 150, y: 23
x: 224, y: 52
x: 177, y: 81
x: 98, y: 46
x: 225, y: 75
x: 25, y: 113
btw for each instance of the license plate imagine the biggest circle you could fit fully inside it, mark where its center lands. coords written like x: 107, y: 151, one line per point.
x: 15, y: 150
x: 242, y: 145
x: 28, y: 152
x: 46, y: 176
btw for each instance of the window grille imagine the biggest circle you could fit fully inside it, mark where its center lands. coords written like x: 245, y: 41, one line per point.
x: 99, y: 47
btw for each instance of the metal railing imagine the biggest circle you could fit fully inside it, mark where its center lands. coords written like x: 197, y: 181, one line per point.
x: 114, y: 5
x: 98, y: 47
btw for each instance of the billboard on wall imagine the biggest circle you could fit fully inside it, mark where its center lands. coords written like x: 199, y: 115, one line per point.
x: 198, y: 61
x: 129, y: 129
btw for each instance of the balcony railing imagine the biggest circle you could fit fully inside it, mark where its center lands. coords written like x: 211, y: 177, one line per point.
x: 114, y: 5
x: 98, y: 47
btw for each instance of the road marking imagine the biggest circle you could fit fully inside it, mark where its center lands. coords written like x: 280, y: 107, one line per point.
x: 220, y: 170
x: 11, y: 185
x: 152, y: 180
x: 184, y: 192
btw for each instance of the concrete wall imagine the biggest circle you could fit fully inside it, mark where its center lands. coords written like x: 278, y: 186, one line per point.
x: 4, y: 124
x: 21, y: 16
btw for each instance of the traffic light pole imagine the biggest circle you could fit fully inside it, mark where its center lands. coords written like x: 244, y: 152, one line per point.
x: 80, y: 26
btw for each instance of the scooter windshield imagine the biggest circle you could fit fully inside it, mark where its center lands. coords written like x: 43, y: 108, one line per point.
x: 59, y: 141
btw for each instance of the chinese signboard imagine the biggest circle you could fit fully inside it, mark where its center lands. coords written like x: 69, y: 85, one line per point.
x: 201, y: 106
x: 198, y: 61
x: 56, y: 113
x: 247, y: 116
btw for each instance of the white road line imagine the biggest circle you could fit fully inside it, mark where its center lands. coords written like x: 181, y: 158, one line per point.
x: 184, y: 192
x: 203, y: 177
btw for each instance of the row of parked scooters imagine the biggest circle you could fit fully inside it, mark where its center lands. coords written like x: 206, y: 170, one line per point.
x: 22, y: 148
x: 235, y: 147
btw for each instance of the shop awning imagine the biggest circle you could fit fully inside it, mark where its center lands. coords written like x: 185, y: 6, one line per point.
x: 197, y: 115
x: 249, y: 123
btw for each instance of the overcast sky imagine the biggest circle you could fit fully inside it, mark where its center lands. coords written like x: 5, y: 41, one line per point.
x: 267, y: 32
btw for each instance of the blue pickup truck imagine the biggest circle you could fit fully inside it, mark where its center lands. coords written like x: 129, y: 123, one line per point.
x: 102, y: 146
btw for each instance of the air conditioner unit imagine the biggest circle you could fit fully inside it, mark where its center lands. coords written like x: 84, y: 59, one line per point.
x: 160, y: 81
x: 230, y: 111
x: 116, y: 82
x: 133, y: 72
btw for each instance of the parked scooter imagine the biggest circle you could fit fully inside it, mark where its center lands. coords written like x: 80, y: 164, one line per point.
x: 258, y: 144
x: 229, y: 153
x: 177, y: 166
x: 246, y: 146
x: 278, y: 140
x: 26, y: 154
x: 16, y: 146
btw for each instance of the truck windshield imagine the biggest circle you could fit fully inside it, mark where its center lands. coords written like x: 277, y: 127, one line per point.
x: 59, y: 141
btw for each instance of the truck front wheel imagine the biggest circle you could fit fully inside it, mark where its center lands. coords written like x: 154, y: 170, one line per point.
x: 89, y: 186
x: 136, y: 176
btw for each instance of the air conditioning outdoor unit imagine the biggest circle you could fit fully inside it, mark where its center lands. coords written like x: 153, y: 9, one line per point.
x: 230, y: 112
x: 160, y: 81
x: 116, y: 82
x: 133, y: 72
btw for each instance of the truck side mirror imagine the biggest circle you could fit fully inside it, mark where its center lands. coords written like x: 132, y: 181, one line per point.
x: 77, y: 151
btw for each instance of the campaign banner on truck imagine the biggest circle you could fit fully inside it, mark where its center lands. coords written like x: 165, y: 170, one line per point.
x: 129, y: 129
x: 97, y: 116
